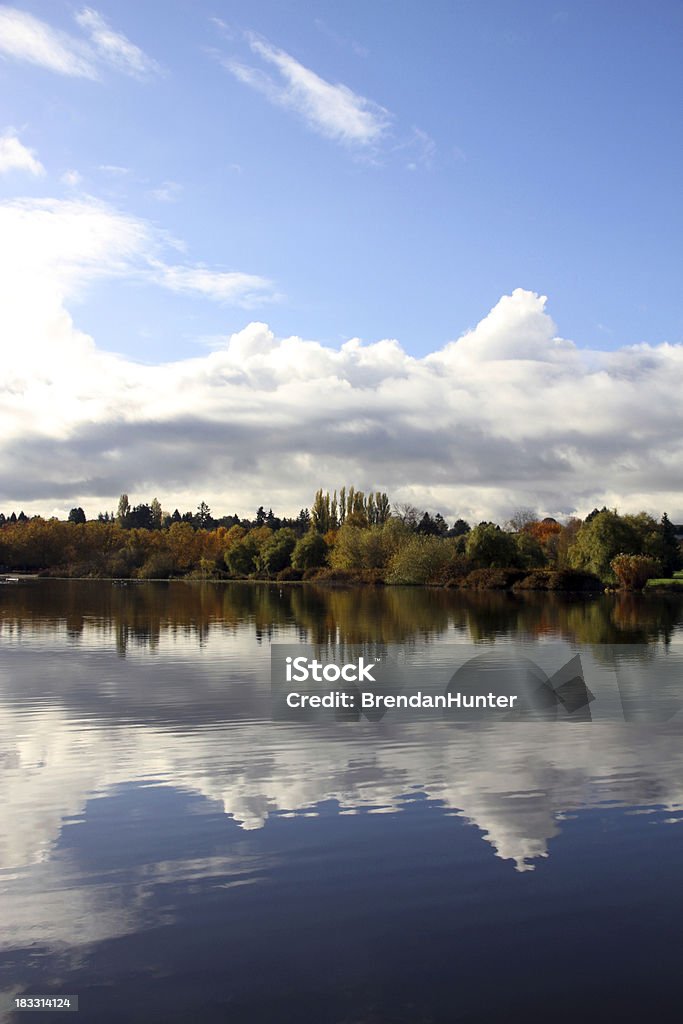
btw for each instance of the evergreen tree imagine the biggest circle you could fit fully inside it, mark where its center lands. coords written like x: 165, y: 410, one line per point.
x: 139, y: 518
x: 203, y: 516
x: 302, y: 523
x: 671, y: 552
x: 460, y: 528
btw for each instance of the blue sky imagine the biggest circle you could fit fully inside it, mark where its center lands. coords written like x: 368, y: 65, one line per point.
x: 372, y: 170
x: 550, y: 160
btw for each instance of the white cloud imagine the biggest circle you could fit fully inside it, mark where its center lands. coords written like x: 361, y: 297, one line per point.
x: 419, y: 150
x: 334, y: 111
x: 167, y: 192
x: 509, y: 415
x: 25, y: 37
x: 114, y: 48
x: 14, y: 156
x: 71, y: 178
x: 115, y: 170
x: 50, y: 250
x: 223, y: 286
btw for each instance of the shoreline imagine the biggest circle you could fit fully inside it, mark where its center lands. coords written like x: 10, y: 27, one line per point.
x: 674, y: 588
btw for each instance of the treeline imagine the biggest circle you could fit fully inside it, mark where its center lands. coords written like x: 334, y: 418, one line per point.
x: 347, y: 536
x: 150, y: 516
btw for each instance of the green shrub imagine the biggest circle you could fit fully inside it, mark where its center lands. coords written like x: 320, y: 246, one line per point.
x: 489, y: 547
x: 492, y: 579
x: 290, y: 574
x: 240, y: 559
x: 568, y: 580
x: 326, y: 574
x: 310, y: 552
x: 157, y: 566
x: 276, y: 553
x: 419, y: 560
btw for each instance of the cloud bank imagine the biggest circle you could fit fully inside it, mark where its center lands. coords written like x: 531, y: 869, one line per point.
x: 508, y: 415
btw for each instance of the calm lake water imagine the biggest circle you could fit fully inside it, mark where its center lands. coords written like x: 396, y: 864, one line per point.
x: 170, y: 853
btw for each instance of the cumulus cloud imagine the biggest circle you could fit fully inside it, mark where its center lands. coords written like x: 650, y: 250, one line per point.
x: 332, y: 110
x: 50, y: 251
x: 508, y: 415
x: 27, y: 38
x: 15, y: 156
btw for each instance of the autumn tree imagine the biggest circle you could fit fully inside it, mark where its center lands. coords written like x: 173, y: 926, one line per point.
x: 320, y: 511
x: 607, y: 534
x: 123, y: 508
x: 633, y: 571
x: 155, y: 509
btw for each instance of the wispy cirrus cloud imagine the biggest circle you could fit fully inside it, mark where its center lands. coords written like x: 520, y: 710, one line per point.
x: 51, y: 249
x: 24, y: 37
x: 114, y: 170
x: 114, y: 48
x: 167, y: 192
x: 418, y: 148
x: 222, y: 286
x: 15, y: 156
x: 332, y: 110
